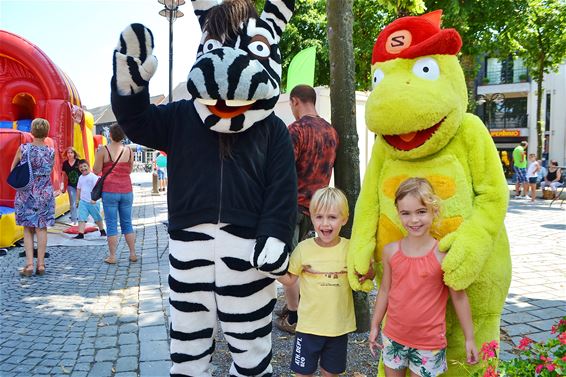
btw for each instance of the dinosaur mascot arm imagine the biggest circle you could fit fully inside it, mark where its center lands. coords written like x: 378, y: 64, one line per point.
x: 275, y: 226
x: 469, y: 246
x: 363, y: 241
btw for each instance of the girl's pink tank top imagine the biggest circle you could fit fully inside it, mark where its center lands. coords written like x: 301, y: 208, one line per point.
x: 118, y: 181
x: 416, y: 309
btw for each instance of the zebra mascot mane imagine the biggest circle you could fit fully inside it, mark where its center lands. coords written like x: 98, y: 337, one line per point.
x: 236, y: 77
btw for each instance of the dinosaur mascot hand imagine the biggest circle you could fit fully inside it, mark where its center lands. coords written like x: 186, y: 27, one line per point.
x: 133, y: 64
x: 270, y: 256
x: 359, y: 264
x: 466, y: 256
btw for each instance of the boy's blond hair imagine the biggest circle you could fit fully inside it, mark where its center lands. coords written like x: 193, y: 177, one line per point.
x: 40, y: 128
x: 329, y: 197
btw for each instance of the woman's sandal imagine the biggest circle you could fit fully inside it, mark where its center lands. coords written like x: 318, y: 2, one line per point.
x: 133, y: 258
x: 40, y: 270
x: 110, y: 260
x: 27, y: 270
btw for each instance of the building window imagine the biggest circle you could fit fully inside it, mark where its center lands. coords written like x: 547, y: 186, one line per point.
x: 504, y: 113
x: 547, y: 114
x: 508, y: 71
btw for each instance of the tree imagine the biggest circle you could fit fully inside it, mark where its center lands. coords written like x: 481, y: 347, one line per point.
x: 343, y: 113
x: 537, y: 35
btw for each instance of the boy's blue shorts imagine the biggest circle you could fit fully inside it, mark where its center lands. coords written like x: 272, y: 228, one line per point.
x: 309, y: 349
x: 86, y: 208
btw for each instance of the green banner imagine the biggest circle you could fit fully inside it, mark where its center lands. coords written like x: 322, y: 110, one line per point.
x: 301, y: 69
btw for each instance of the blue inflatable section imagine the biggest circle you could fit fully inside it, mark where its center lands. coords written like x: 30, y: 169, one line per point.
x: 6, y: 210
x: 23, y: 125
x: 6, y: 124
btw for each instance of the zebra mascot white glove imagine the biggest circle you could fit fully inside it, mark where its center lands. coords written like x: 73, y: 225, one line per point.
x: 270, y: 256
x: 133, y: 63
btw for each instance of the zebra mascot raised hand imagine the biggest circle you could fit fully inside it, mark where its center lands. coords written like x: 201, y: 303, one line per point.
x: 232, y: 183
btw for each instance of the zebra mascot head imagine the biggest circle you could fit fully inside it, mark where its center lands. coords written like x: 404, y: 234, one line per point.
x: 236, y: 77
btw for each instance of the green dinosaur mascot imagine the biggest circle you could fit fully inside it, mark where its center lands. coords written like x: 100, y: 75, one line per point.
x: 417, y: 109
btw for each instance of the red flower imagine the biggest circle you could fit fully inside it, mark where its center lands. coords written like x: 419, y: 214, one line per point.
x: 524, y: 343
x: 547, y: 363
x: 488, y: 350
x: 562, y: 338
x: 490, y: 372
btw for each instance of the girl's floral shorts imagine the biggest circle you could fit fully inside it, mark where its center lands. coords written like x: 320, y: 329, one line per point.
x: 425, y: 363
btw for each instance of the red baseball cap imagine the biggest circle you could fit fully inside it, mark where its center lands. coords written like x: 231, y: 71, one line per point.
x: 414, y: 36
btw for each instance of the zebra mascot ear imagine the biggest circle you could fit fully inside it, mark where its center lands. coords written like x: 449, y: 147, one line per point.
x: 235, y: 81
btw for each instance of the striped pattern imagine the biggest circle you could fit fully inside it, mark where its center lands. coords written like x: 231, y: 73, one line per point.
x: 211, y: 281
x: 232, y: 71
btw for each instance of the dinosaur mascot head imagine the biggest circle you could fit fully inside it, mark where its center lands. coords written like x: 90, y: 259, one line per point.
x: 411, y: 56
x: 236, y: 77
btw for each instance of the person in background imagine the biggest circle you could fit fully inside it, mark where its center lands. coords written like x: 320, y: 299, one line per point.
x: 72, y: 174
x: 84, y: 203
x: 553, y: 177
x: 161, y: 165
x: 117, y: 193
x: 532, y: 175
x: 315, y: 143
x: 520, y: 169
x: 35, y: 207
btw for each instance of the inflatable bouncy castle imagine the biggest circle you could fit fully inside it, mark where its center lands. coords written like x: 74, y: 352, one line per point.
x: 31, y: 86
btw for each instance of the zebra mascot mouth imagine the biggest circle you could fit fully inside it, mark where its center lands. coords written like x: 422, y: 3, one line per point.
x: 236, y: 78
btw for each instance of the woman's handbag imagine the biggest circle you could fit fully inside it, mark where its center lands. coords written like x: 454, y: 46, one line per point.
x: 548, y: 194
x: 21, y: 177
x: 96, y: 192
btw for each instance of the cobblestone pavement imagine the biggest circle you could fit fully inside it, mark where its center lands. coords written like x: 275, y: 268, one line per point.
x: 87, y: 318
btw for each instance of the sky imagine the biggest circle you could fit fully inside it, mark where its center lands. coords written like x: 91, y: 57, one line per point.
x: 79, y: 36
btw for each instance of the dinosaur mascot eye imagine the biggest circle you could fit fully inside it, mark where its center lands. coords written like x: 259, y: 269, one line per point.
x: 426, y: 68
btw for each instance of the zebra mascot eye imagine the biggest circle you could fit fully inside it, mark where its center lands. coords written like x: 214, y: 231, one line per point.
x: 211, y: 44
x: 259, y: 47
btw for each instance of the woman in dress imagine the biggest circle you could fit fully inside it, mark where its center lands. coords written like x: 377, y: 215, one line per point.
x: 72, y: 172
x: 117, y: 195
x: 35, y: 207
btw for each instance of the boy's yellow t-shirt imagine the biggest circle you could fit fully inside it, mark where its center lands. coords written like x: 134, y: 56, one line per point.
x: 326, y: 307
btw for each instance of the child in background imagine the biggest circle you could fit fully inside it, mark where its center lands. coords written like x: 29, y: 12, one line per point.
x: 413, y: 294
x: 532, y: 175
x: 86, y: 205
x: 326, y: 309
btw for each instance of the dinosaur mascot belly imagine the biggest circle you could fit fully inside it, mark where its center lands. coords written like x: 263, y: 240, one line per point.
x: 417, y: 110
x: 232, y: 194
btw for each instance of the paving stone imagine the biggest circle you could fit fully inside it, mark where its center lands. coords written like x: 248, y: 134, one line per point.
x: 153, y: 333
x: 127, y: 328
x: 106, y: 341
x: 102, y: 369
x: 108, y: 354
x: 128, y: 338
x: 522, y: 317
x: 520, y: 329
x: 154, y: 368
x: 124, y: 364
x: 154, y: 350
x: 129, y: 350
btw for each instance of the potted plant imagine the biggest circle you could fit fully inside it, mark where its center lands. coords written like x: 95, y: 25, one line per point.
x: 523, y: 77
x: 485, y: 80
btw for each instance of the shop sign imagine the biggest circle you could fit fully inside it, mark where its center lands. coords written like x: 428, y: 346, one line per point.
x: 505, y: 133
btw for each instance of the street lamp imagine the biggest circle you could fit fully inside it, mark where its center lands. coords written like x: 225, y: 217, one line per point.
x: 171, y: 12
x: 488, y: 100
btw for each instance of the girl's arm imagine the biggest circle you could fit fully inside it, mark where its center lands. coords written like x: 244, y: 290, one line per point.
x: 16, y: 159
x: 78, y: 197
x: 381, y: 300
x: 558, y: 175
x: 288, y: 279
x: 464, y: 313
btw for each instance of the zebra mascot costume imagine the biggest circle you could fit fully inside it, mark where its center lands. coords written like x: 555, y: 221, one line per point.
x: 232, y: 194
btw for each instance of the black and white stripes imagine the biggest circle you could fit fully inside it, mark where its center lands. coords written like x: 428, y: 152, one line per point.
x: 211, y: 281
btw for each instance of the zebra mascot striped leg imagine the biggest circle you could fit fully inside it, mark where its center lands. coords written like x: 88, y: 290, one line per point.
x: 232, y: 195
x: 211, y: 279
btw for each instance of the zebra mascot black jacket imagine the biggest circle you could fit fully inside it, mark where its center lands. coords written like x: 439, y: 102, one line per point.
x: 232, y: 195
